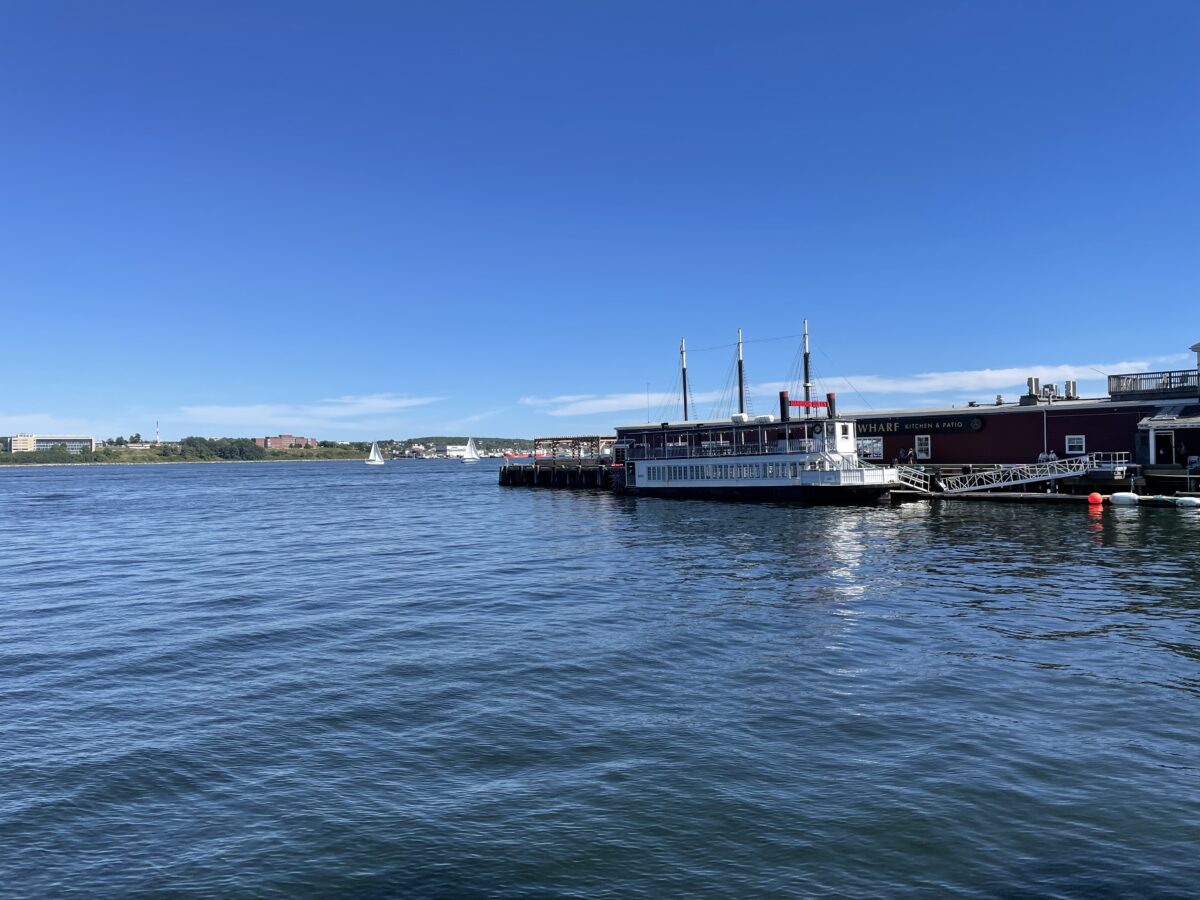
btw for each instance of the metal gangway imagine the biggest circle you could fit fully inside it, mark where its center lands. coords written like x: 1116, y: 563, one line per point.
x: 1028, y: 474
x: 913, y: 478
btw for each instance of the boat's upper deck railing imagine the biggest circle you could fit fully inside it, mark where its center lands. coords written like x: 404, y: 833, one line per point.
x: 1148, y: 385
x: 683, y: 451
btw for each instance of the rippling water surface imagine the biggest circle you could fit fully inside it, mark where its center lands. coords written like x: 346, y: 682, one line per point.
x: 322, y: 678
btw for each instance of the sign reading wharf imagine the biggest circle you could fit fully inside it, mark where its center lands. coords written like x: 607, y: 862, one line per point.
x: 931, y: 425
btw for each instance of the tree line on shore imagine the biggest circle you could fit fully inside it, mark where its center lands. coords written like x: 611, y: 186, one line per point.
x: 190, y: 449
x: 202, y: 449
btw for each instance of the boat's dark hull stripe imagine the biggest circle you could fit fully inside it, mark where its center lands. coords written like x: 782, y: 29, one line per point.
x: 807, y: 493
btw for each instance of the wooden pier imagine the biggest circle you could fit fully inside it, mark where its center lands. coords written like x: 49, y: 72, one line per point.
x: 553, y: 472
x: 577, y: 463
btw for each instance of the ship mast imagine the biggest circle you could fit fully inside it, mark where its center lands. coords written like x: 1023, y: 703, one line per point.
x: 807, y: 375
x: 683, y: 362
x: 741, y: 377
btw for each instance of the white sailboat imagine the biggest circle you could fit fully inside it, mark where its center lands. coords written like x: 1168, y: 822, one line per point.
x: 470, y: 454
x: 376, y: 458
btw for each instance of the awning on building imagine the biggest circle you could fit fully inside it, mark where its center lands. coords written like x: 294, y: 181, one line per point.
x: 1172, y: 417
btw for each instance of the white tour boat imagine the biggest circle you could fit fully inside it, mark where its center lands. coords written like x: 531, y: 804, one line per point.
x: 812, y: 458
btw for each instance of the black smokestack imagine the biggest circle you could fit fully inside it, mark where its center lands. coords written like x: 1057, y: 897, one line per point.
x: 785, y: 407
x: 832, y: 399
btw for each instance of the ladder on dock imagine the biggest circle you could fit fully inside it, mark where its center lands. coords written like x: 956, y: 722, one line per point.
x: 1034, y: 472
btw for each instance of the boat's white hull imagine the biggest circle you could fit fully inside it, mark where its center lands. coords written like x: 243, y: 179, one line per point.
x: 766, y: 477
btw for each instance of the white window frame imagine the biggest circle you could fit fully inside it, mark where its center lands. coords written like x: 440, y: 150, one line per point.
x: 1082, y: 438
x: 927, y: 452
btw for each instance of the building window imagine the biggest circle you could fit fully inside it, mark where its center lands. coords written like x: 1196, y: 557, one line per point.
x: 1076, y: 443
x: 924, y: 446
x: 870, y: 448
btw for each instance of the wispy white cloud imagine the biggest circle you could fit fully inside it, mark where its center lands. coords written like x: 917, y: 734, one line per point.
x: 461, y: 425
x: 995, y: 379
x: 589, y: 404
x: 336, y: 412
x: 47, y: 423
x: 924, y: 384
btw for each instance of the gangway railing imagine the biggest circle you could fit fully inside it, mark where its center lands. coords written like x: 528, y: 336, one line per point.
x: 1010, y: 475
x: 913, y: 478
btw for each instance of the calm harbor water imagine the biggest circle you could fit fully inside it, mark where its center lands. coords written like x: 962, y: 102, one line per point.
x: 322, y: 678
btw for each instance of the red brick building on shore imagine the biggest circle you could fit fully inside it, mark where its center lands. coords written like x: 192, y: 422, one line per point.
x: 285, y: 442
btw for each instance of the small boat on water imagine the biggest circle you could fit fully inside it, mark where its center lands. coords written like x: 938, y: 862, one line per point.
x: 376, y: 458
x: 471, y: 454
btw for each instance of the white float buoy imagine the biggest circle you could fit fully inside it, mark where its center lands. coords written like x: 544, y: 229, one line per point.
x: 1187, y: 501
x: 1123, y: 498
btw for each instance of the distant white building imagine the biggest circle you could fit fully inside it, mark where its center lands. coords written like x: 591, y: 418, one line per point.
x: 451, y: 451
x: 28, y: 443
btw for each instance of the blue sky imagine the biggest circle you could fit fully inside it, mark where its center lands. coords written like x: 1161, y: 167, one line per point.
x: 360, y: 220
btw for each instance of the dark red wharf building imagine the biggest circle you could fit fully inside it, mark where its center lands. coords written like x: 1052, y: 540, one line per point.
x: 1152, y: 416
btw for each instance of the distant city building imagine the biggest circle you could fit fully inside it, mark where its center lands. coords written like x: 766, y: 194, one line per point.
x: 451, y: 450
x: 28, y: 443
x: 285, y: 442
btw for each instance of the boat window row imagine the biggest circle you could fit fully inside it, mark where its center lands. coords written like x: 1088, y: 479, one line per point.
x: 724, y: 472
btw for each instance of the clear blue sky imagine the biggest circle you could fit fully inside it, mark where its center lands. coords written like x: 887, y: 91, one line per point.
x: 378, y: 219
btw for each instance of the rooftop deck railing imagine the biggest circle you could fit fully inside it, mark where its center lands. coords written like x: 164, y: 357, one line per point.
x: 1179, y: 383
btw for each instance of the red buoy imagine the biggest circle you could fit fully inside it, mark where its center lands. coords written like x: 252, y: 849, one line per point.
x: 1094, y: 498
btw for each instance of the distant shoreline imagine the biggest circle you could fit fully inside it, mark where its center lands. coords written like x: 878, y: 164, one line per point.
x: 165, y: 462
x: 5, y: 466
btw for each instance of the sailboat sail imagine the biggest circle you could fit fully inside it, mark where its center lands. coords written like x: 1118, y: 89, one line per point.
x: 376, y: 458
x: 470, y: 454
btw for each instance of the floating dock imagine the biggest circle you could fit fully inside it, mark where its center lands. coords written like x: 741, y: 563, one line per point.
x: 902, y: 496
